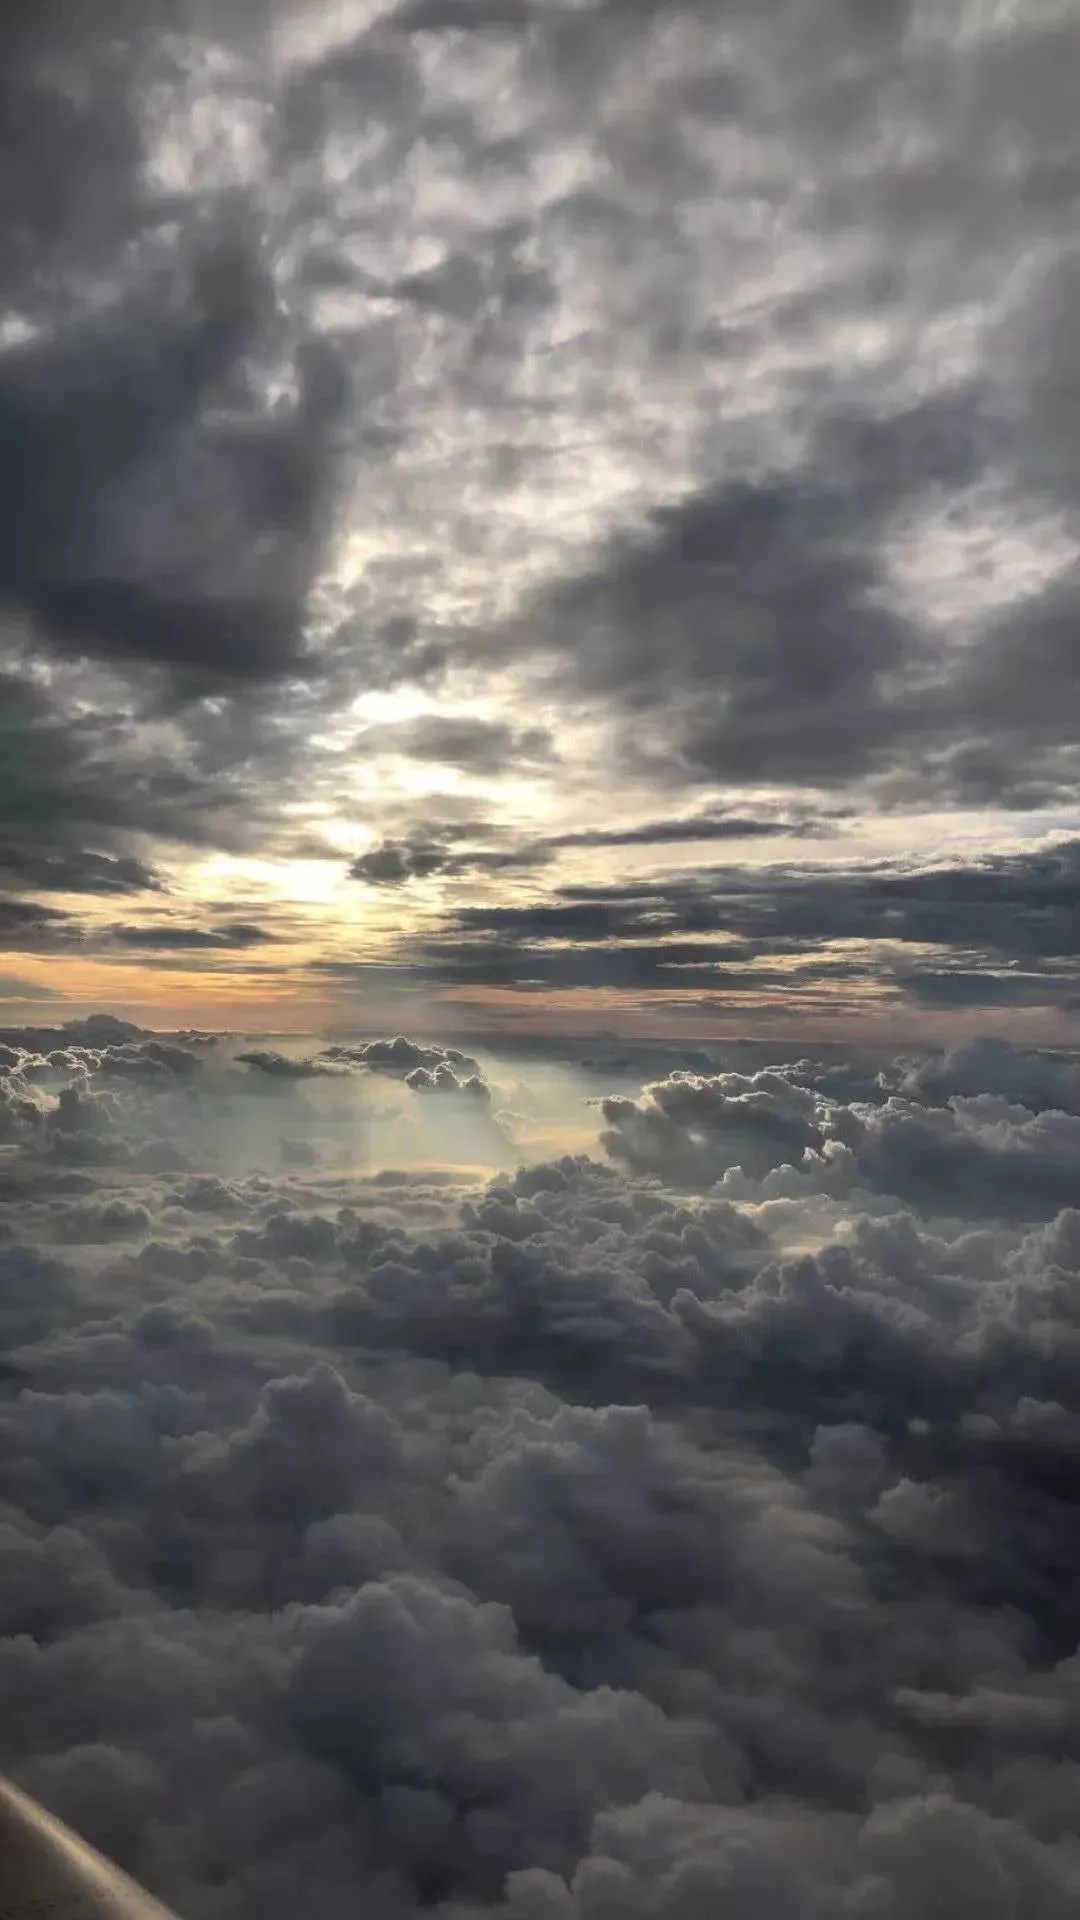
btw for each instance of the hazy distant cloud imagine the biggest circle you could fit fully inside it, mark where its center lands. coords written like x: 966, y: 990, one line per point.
x: 630, y: 964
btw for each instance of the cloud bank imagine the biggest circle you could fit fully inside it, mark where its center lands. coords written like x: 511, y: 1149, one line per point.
x: 666, y: 1530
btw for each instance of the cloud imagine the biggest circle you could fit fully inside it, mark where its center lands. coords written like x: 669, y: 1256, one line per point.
x: 235, y: 934
x: 751, y: 613
x: 427, y: 1519
x: 777, y: 621
x: 961, y: 987
x: 754, y: 621
x: 662, y: 448
x: 1038, y: 1081
x: 479, y: 747
x: 1004, y: 927
x: 685, y: 1126
x: 28, y: 926
x: 78, y: 871
x: 972, y: 1155
x: 401, y: 1056
x: 496, y: 1559
x: 1013, y: 906
x: 392, y: 863
x: 444, y: 851
x: 12, y: 988
x: 172, y: 432
x: 696, y: 828
x: 92, y: 769
x: 280, y: 1066
x: 120, y: 466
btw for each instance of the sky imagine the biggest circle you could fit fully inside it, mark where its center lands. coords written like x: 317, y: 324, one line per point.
x: 539, y: 917
x: 529, y: 517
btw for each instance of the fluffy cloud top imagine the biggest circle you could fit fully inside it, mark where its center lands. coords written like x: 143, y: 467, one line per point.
x: 662, y: 1534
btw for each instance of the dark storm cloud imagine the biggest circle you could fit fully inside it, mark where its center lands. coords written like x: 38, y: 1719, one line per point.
x: 586, y: 1553
x: 74, y: 780
x: 391, y: 863
x: 89, y: 772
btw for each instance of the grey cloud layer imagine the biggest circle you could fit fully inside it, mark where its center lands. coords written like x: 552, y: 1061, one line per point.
x: 722, y: 378
x: 554, y: 1545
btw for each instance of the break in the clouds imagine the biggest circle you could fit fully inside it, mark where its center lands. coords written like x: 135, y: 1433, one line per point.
x: 395, y: 1518
x: 598, y: 424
